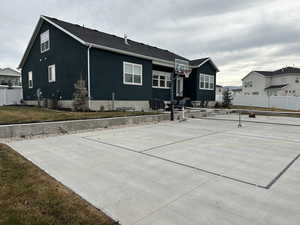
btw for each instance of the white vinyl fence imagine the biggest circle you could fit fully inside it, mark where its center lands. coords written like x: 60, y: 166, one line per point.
x: 282, y: 102
x: 219, y: 98
x: 10, y: 96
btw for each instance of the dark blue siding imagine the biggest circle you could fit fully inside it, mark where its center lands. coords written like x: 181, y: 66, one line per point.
x: 107, y: 77
x: 160, y: 93
x: 205, y: 95
x: 69, y: 57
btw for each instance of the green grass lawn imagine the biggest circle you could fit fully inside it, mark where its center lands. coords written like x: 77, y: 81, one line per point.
x: 26, y: 114
x: 28, y: 196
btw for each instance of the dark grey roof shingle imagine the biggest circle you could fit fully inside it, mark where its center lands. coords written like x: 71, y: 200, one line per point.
x: 280, y: 71
x: 197, y: 62
x: 100, y: 38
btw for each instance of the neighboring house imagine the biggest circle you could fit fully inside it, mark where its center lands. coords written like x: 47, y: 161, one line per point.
x: 282, y: 82
x: 132, y: 73
x: 219, y: 90
x: 10, y: 76
x: 236, y: 91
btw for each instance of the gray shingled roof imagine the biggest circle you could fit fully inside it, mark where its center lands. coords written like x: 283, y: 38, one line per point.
x: 100, y: 38
x: 110, y: 42
x: 197, y: 62
x: 276, y: 86
x: 280, y: 71
x: 9, y: 72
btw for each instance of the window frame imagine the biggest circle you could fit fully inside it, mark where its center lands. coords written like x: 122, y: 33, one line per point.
x: 133, y: 74
x: 207, y: 79
x: 53, y: 75
x: 30, y: 79
x: 43, y: 42
x: 159, y: 74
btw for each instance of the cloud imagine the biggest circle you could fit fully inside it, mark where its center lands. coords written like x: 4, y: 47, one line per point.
x: 238, y: 35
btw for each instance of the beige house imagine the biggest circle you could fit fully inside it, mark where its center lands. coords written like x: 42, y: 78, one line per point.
x: 282, y: 82
x: 8, y: 75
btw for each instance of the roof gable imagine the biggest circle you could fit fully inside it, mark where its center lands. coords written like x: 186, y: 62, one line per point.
x: 200, y: 62
x: 256, y: 73
x: 9, y: 72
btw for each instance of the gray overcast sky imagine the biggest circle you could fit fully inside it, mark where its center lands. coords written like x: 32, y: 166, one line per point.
x: 238, y: 35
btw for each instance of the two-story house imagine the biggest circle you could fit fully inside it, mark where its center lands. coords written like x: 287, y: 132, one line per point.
x: 129, y: 72
x: 10, y: 76
x: 282, y: 82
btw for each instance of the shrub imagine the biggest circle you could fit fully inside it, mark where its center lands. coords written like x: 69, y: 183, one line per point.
x: 80, y: 101
x: 227, y: 98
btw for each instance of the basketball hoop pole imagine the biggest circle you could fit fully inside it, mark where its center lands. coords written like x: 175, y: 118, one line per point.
x: 172, y: 95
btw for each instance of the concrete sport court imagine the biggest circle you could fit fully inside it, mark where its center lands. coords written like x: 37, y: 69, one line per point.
x: 202, y: 171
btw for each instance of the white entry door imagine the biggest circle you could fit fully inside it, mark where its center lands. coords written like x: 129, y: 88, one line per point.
x: 179, y: 87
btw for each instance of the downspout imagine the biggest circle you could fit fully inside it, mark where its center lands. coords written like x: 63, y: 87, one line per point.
x: 89, y: 76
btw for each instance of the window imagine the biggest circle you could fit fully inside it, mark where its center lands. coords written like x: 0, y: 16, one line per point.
x: 161, y: 79
x: 132, y: 74
x: 30, y: 81
x: 207, y: 82
x: 248, y: 84
x: 297, y: 80
x: 51, y: 73
x: 45, y: 41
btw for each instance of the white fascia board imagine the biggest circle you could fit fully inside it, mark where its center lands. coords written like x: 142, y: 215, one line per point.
x: 256, y: 73
x: 29, y: 45
x: 205, y: 61
x: 155, y: 60
x: 64, y: 30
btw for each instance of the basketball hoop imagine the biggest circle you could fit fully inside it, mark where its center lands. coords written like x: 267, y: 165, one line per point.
x: 187, y: 73
x: 183, y: 68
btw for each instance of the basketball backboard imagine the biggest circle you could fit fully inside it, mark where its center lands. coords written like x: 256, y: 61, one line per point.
x: 182, y: 67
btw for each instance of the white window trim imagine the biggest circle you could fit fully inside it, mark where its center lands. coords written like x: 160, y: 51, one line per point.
x: 133, y: 83
x: 45, y: 50
x: 52, y: 67
x: 164, y: 74
x: 209, y: 81
x: 30, y: 78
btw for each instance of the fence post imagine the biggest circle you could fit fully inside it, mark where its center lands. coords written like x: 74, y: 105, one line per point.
x: 5, y: 96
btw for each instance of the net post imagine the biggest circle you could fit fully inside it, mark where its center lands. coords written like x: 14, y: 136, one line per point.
x: 172, y: 96
x: 240, y: 122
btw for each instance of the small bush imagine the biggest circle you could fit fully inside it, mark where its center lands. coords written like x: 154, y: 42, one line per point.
x: 80, y: 102
x: 227, y: 98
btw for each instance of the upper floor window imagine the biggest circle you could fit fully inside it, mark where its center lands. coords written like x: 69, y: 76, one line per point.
x: 207, y: 82
x: 51, y: 73
x: 45, y: 41
x: 297, y: 80
x: 248, y: 84
x: 132, y: 74
x: 30, y: 80
x: 161, y: 79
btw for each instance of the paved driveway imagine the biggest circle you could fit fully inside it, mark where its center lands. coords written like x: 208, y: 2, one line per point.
x: 196, y: 172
